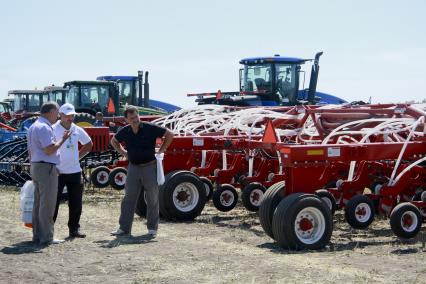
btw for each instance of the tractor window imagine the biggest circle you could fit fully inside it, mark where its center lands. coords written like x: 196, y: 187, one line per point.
x: 256, y: 78
x: 72, y: 96
x: 45, y: 98
x: 56, y: 96
x: 95, y: 97
x: 34, y: 102
x: 125, y: 92
x: 286, y: 81
x: 18, y: 102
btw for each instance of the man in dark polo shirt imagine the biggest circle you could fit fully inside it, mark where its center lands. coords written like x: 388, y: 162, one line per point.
x: 140, y: 138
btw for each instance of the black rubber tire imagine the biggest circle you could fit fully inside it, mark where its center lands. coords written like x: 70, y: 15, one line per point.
x: 163, y: 210
x: 112, y: 176
x: 248, y: 194
x: 208, y: 186
x: 272, y: 197
x: 94, y: 178
x: 225, y: 191
x: 328, y: 199
x: 84, y: 119
x: 350, y: 211
x: 396, y: 219
x: 197, y: 199
x: 283, y: 204
x: 141, y: 205
x: 284, y: 222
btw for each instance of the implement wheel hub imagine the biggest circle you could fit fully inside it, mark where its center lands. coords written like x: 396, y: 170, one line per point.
x: 182, y: 196
x: 407, y: 221
x: 305, y: 224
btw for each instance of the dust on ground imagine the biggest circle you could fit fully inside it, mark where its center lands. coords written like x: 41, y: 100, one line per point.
x: 216, y: 248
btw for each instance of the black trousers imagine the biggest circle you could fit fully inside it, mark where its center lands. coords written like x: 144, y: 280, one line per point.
x: 74, y: 184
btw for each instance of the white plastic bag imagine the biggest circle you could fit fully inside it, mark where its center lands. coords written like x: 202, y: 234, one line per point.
x: 27, y: 202
x: 160, y: 171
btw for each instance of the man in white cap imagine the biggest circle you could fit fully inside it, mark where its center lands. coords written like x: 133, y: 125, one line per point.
x: 69, y: 167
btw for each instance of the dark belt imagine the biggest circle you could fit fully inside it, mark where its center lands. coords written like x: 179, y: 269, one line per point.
x: 43, y: 162
x: 144, y: 164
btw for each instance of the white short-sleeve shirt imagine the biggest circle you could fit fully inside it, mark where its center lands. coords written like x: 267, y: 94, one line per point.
x: 68, y: 152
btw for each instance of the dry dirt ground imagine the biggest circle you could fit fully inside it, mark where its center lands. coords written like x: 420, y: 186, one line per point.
x: 215, y: 248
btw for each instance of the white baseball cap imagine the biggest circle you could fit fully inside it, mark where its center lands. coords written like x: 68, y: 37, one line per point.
x: 67, y: 109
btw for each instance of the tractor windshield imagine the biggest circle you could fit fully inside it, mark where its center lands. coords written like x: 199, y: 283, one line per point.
x: 34, y: 102
x: 19, y: 102
x: 94, y: 96
x: 125, y: 92
x: 2, y: 108
x: 256, y: 78
x: 286, y: 81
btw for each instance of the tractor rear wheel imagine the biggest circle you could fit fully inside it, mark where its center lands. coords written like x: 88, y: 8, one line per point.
x: 406, y: 220
x: 359, y: 212
x: 84, y: 119
x: 117, y: 178
x: 272, y: 197
x: 99, y: 177
x: 252, y: 196
x: 225, y: 198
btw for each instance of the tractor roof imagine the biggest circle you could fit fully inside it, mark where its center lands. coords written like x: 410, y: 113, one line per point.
x: 272, y: 59
x: 99, y: 83
x: 54, y: 88
x: 117, y: 78
x: 24, y: 92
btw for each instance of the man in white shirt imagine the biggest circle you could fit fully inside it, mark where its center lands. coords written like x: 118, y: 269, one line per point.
x: 69, y: 167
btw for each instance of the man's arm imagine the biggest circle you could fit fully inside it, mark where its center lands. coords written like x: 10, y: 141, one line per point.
x: 118, y: 147
x: 85, y: 149
x: 49, y: 150
x: 168, y: 138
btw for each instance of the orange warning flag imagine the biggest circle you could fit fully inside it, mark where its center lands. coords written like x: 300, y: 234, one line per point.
x: 111, y: 106
x: 269, y: 136
x: 218, y: 95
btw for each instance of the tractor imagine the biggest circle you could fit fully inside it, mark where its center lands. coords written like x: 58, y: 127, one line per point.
x: 26, y: 105
x: 135, y: 92
x: 272, y: 81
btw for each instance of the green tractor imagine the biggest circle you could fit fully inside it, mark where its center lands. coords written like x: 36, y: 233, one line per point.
x: 90, y: 97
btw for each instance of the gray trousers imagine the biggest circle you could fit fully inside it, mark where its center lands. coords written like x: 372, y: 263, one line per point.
x: 45, y: 178
x: 139, y: 176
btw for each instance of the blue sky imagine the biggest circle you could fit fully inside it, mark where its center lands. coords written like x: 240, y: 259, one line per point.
x: 371, y: 48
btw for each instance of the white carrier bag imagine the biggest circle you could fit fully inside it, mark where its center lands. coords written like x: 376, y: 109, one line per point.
x: 160, y: 171
x: 27, y: 201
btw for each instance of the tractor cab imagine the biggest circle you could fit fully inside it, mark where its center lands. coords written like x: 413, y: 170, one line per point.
x: 27, y: 101
x: 133, y: 90
x: 56, y: 94
x: 272, y: 81
x: 91, y: 97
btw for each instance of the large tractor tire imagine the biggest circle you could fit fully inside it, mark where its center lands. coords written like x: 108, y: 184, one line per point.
x: 182, y: 196
x: 272, y: 197
x: 302, y: 221
x: 406, y: 220
x: 117, y: 178
x: 359, y: 212
x: 225, y: 198
x: 252, y: 196
x: 84, y: 119
x: 99, y: 177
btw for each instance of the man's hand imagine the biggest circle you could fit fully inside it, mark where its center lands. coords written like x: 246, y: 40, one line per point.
x: 66, y: 135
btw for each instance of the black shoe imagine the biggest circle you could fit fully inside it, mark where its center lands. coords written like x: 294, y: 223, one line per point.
x: 77, y: 234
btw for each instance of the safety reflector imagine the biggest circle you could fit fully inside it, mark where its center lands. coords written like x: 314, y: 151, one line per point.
x: 315, y: 152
